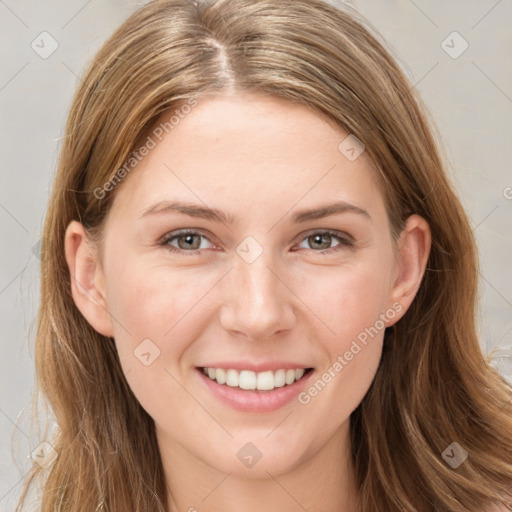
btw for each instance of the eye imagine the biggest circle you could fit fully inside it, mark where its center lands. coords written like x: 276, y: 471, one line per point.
x: 188, y: 241
x: 322, y: 240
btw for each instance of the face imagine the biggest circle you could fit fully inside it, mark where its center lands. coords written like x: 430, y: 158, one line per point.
x: 219, y: 253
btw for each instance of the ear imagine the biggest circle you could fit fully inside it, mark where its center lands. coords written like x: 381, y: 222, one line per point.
x: 414, y: 249
x: 87, y: 281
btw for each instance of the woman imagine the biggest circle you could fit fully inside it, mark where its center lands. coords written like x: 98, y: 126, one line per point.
x: 255, y: 369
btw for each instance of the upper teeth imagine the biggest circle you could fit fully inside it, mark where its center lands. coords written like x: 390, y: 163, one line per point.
x: 246, y: 379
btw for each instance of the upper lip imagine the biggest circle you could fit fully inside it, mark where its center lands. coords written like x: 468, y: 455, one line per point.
x: 255, y: 367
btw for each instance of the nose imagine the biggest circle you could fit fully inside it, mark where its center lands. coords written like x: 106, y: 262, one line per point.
x: 258, y: 303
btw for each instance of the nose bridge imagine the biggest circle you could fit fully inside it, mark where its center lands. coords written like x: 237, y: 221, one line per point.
x: 258, y: 306
x: 256, y: 278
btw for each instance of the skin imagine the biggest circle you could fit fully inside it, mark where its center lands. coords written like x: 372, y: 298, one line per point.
x: 261, y: 160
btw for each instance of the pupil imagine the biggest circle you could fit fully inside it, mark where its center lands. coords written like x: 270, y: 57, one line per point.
x: 319, y: 238
x: 188, y: 239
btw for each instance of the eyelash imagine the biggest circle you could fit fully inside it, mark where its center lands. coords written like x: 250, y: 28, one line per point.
x: 345, y: 241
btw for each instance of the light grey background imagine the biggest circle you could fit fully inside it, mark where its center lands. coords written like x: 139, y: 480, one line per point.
x: 470, y: 98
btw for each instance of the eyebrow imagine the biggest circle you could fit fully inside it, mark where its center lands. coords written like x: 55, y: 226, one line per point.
x: 203, y: 212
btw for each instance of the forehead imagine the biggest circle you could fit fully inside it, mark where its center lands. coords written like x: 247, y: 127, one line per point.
x: 249, y: 151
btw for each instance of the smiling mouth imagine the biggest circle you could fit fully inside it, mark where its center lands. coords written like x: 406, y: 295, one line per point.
x: 257, y: 381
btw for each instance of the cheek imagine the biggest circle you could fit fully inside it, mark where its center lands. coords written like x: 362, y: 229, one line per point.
x: 352, y: 304
x: 348, y: 299
x: 151, y: 313
x: 151, y: 302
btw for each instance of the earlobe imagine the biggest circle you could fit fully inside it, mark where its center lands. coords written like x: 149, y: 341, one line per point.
x: 414, y: 250
x: 86, y: 276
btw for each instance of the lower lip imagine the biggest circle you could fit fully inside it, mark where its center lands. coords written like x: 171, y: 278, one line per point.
x: 253, y: 400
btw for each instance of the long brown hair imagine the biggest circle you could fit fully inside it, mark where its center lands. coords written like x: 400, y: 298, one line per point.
x: 434, y: 387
